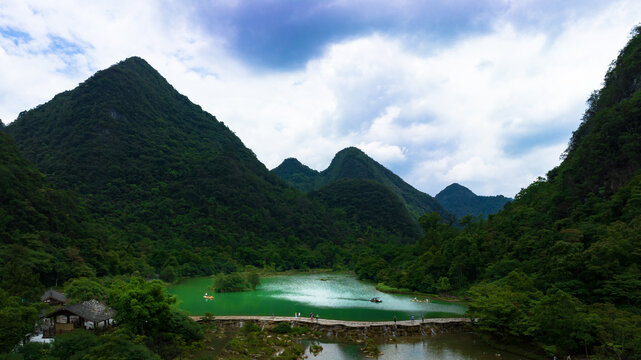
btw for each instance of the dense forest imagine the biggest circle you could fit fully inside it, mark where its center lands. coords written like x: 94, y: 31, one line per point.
x: 123, y: 179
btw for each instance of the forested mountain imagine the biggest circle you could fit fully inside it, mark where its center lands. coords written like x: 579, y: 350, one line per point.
x: 369, y: 203
x: 352, y: 163
x: 43, y: 231
x: 298, y: 175
x: 186, y: 195
x: 560, y: 264
x: 461, y: 201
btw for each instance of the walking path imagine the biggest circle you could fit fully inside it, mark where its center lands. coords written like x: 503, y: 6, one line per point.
x: 338, y: 322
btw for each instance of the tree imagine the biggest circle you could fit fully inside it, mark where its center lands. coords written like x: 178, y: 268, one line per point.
x: 16, y: 322
x: 443, y: 285
x: 142, y: 307
x: 83, y: 289
x: 73, y: 344
x: 117, y: 347
x: 254, y: 279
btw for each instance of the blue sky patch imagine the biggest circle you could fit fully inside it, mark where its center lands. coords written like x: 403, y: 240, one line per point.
x: 16, y: 36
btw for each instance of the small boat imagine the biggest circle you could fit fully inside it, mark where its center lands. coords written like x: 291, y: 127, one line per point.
x: 208, y: 297
x: 420, y: 300
x: 376, y: 300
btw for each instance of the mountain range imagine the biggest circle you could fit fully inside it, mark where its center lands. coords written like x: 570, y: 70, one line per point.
x: 170, y: 183
x: 352, y: 163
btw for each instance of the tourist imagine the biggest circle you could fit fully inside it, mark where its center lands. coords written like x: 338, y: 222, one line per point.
x: 412, y: 319
x: 394, y: 320
x: 422, y: 317
x: 311, y: 317
x: 316, y: 317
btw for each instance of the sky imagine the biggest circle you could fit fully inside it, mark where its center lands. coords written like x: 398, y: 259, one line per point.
x: 485, y: 93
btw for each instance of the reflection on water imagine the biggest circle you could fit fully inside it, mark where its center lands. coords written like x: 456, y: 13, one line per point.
x: 335, y: 296
x: 441, y: 347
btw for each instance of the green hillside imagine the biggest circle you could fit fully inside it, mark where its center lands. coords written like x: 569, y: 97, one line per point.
x: 461, y: 201
x: 298, y: 175
x: 184, y: 192
x: 369, y: 203
x: 352, y: 163
x: 45, y: 236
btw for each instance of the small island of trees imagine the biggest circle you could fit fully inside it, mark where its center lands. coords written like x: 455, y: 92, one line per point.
x: 236, y: 282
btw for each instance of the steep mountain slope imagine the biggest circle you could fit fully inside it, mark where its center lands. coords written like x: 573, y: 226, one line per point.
x: 352, y: 163
x: 45, y: 235
x: 176, y: 180
x: 461, y: 201
x: 369, y: 203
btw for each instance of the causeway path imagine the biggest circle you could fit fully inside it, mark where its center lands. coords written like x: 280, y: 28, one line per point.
x: 328, y: 322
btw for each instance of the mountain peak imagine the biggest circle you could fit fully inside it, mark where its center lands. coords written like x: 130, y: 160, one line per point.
x: 461, y: 201
x: 297, y: 174
x: 456, y: 188
x: 351, y: 150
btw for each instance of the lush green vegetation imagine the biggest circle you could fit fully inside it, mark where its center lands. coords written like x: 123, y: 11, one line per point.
x: 460, y: 202
x: 352, y: 163
x: 298, y: 175
x: 236, y: 282
x: 369, y: 203
x: 149, y: 326
x: 152, y: 185
x: 169, y: 190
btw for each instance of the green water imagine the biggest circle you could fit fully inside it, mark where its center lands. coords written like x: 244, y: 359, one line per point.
x: 437, y: 347
x: 332, y: 296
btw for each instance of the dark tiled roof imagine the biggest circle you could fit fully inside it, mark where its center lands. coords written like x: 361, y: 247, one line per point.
x: 53, y: 294
x: 92, y: 310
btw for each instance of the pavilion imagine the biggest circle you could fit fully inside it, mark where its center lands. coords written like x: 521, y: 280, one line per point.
x: 88, y: 314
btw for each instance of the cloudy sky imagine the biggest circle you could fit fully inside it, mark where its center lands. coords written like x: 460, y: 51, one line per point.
x: 483, y: 93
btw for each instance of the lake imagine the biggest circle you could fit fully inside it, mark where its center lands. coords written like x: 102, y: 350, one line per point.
x: 436, y: 347
x: 340, y: 297
x: 332, y: 296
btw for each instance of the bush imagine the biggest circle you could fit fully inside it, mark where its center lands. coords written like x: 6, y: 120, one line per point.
x: 74, y: 343
x: 249, y: 328
x: 282, y: 328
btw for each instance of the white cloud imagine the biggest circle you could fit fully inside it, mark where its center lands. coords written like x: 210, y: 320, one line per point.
x: 451, y: 114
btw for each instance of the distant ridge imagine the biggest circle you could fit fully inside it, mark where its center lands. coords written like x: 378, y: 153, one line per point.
x: 461, y: 201
x: 352, y: 163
